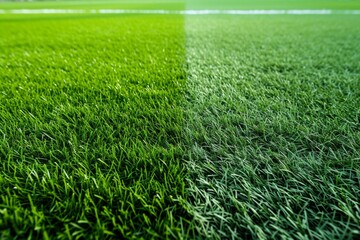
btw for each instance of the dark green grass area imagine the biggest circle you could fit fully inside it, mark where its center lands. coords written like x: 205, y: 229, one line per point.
x: 273, y: 126
x: 90, y: 126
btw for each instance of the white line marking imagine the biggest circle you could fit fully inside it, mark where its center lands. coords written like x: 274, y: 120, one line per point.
x: 46, y: 11
x: 181, y: 12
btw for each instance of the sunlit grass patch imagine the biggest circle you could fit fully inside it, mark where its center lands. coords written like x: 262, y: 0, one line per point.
x: 90, y: 127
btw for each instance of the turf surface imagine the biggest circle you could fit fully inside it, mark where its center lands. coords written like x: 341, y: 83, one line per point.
x: 273, y: 106
x: 169, y: 126
x: 179, y: 4
x: 273, y: 4
x: 95, y: 4
x: 90, y: 126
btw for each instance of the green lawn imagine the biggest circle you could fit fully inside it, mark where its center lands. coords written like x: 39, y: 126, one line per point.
x: 179, y: 4
x: 273, y: 110
x: 180, y: 127
x: 273, y: 4
x: 95, y: 4
x: 90, y: 126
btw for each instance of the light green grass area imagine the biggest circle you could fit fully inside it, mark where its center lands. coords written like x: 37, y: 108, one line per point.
x: 90, y: 127
x: 273, y: 4
x: 95, y: 4
x: 272, y: 113
x: 129, y: 126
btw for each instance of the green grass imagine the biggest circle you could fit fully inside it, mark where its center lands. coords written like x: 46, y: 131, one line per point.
x: 91, y: 126
x: 273, y: 4
x: 180, y: 127
x: 272, y: 113
x: 179, y: 4
x: 96, y: 4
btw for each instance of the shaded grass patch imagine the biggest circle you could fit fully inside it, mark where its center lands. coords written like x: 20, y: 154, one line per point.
x: 272, y: 119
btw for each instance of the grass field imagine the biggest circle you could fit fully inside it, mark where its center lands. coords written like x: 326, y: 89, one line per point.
x: 148, y: 126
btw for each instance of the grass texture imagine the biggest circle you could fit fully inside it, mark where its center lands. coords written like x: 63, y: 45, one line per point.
x: 273, y: 107
x: 273, y: 4
x: 90, y: 127
x: 179, y: 127
x: 179, y: 4
x: 95, y: 4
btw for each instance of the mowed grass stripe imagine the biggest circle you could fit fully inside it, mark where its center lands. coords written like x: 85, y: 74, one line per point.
x: 272, y: 119
x: 90, y: 127
x: 179, y: 4
x: 94, y: 4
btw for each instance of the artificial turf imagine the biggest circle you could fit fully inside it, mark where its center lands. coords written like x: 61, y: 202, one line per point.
x: 182, y: 127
